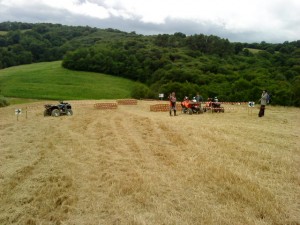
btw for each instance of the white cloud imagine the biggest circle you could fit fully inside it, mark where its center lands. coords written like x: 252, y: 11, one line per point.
x: 251, y: 20
x: 86, y: 8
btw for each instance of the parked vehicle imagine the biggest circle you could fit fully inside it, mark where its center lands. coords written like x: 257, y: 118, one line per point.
x: 63, y: 108
x: 191, y: 107
x: 213, y: 105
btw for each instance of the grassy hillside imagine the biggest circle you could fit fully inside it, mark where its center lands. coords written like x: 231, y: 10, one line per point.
x: 3, y: 32
x: 51, y: 81
x: 254, y: 50
x: 187, y: 64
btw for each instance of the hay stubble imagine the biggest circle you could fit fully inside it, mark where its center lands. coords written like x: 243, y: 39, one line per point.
x: 133, y: 166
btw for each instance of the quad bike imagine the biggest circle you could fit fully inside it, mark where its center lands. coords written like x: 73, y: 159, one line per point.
x: 63, y: 108
x: 214, y: 106
x: 191, y: 107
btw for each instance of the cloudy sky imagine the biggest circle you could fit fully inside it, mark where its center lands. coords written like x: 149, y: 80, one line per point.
x: 273, y: 21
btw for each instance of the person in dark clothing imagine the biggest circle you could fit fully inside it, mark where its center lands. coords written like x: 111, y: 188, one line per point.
x: 199, y: 97
x: 263, y: 103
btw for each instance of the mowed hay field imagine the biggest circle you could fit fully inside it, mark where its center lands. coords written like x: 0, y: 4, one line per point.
x: 134, y: 166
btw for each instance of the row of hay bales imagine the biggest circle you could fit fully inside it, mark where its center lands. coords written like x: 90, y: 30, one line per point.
x: 163, y: 107
x: 154, y: 108
x: 115, y: 105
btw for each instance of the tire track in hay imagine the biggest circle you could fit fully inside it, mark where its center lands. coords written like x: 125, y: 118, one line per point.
x: 152, y: 142
x: 158, y: 163
x: 127, y: 168
x: 38, y: 196
x: 35, y: 189
x: 131, y: 166
x: 101, y: 169
x: 237, y: 174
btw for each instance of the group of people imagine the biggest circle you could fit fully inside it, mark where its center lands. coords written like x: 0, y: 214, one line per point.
x: 264, y: 100
x: 172, y: 99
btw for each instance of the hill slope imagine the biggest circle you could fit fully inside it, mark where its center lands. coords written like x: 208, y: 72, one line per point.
x: 51, y: 81
x: 177, y: 62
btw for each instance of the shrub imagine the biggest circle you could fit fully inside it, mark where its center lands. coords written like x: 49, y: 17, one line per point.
x: 3, y: 102
x: 141, y: 91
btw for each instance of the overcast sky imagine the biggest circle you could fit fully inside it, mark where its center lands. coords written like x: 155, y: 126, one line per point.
x: 273, y: 21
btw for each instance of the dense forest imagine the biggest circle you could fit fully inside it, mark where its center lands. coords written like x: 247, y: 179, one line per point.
x: 162, y: 63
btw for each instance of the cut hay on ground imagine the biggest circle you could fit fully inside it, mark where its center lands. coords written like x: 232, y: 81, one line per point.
x: 133, y: 166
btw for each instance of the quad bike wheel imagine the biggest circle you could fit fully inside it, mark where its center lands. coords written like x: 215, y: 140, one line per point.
x: 55, y: 112
x: 69, y: 112
x: 190, y: 111
x: 46, y: 113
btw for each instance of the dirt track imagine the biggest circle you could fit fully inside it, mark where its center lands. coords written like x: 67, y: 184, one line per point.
x: 133, y: 166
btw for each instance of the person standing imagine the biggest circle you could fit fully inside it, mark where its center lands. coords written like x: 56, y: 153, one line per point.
x: 199, y: 97
x: 172, y: 99
x: 263, y: 103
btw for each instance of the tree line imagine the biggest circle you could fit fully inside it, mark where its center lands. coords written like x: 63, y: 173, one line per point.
x: 25, y: 43
x: 206, y: 64
x: 162, y: 63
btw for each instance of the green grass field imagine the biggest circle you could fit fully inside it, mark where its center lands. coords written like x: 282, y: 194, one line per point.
x: 3, y: 32
x: 253, y: 50
x: 51, y: 81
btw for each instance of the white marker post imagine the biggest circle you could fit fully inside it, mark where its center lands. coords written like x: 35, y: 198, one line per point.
x: 18, y: 112
x: 250, y: 106
x: 161, y: 96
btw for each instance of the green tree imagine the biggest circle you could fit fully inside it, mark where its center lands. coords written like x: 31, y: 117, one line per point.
x: 141, y: 91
